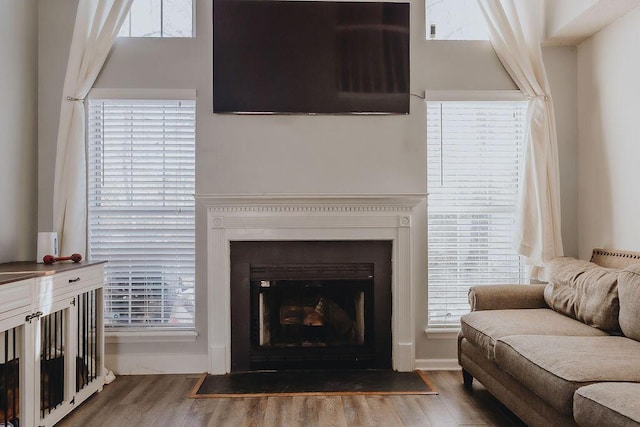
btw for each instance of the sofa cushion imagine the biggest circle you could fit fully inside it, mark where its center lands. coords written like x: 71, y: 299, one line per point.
x: 585, y: 291
x: 483, y: 328
x: 601, y: 404
x: 555, y: 367
x: 506, y: 297
x: 629, y: 290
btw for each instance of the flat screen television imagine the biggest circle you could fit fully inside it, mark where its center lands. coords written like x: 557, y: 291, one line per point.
x: 310, y: 57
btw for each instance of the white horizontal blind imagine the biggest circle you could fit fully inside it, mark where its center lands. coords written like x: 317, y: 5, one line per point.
x: 141, y: 181
x: 474, y: 156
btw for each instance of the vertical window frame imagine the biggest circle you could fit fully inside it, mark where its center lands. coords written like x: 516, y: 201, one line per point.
x: 138, y: 96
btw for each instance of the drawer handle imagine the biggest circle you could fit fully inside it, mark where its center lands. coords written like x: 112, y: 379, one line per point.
x: 77, y: 279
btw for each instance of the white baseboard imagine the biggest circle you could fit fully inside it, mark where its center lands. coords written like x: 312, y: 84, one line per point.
x: 437, y: 364
x: 156, y: 363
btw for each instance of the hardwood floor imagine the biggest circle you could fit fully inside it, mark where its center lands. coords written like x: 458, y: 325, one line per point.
x: 161, y: 400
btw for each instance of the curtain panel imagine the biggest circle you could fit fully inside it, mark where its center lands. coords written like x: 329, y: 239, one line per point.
x: 516, y: 30
x: 96, y: 27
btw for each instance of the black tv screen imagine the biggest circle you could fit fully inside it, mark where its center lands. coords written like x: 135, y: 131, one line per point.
x: 317, y: 57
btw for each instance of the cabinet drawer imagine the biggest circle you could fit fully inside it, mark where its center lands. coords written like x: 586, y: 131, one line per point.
x: 16, y: 297
x: 61, y: 285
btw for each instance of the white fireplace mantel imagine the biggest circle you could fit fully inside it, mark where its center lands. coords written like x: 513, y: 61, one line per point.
x: 302, y: 217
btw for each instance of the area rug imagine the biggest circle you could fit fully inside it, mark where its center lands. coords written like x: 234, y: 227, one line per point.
x: 312, y: 383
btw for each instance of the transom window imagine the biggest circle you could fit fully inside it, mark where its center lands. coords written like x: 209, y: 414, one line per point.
x: 474, y: 159
x: 455, y: 20
x: 141, y: 181
x: 159, y: 18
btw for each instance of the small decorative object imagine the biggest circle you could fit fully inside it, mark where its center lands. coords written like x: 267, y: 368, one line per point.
x: 47, y: 244
x: 50, y: 259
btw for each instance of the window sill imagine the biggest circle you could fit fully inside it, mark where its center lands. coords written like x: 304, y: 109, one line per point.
x: 442, y: 333
x: 138, y: 336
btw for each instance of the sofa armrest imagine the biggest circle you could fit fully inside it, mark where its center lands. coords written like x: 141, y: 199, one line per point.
x: 505, y: 297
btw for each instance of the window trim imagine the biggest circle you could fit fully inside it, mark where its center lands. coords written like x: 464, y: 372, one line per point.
x: 435, y: 332
x: 475, y: 95
x: 447, y: 331
x: 120, y: 93
x: 137, y: 335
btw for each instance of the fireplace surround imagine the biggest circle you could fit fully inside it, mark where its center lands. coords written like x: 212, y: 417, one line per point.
x: 232, y: 218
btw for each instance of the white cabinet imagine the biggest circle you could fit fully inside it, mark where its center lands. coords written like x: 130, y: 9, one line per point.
x: 51, y: 343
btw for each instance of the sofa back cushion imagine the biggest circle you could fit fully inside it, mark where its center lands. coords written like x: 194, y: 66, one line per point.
x: 629, y: 290
x: 584, y: 291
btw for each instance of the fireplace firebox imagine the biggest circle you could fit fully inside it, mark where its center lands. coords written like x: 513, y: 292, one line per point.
x: 306, y: 305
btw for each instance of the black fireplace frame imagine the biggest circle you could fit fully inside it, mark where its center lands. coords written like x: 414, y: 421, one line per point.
x: 248, y: 258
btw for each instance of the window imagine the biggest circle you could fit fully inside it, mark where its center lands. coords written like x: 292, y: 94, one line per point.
x: 474, y: 157
x: 159, y: 18
x: 141, y: 181
x: 455, y: 20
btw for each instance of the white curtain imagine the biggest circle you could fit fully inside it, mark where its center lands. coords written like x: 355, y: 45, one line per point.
x: 96, y: 27
x: 516, y: 30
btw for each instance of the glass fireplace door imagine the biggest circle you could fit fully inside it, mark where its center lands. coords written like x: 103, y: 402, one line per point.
x: 308, y: 316
x: 299, y: 313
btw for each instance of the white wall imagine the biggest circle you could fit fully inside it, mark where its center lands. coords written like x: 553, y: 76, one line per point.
x: 298, y: 154
x: 609, y: 132
x: 561, y: 65
x: 55, y: 24
x: 18, y: 138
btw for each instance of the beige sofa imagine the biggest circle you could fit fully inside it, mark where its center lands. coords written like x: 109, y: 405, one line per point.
x: 565, y: 353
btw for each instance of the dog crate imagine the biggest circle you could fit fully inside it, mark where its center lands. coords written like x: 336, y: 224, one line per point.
x: 11, y: 348
x: 88, y: 356
x: 15, y: 305
x: 53, y: 395
x: 53, y: 342
x: 63, y: 375
x: 70, y: 346
x: 51, y: 345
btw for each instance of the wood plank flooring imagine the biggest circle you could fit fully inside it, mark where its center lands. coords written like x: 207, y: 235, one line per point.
x: 161, y: 400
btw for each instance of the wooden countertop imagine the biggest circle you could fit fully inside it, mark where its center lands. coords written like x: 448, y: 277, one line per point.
x: 15, y: 271
x: 14, y: 277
